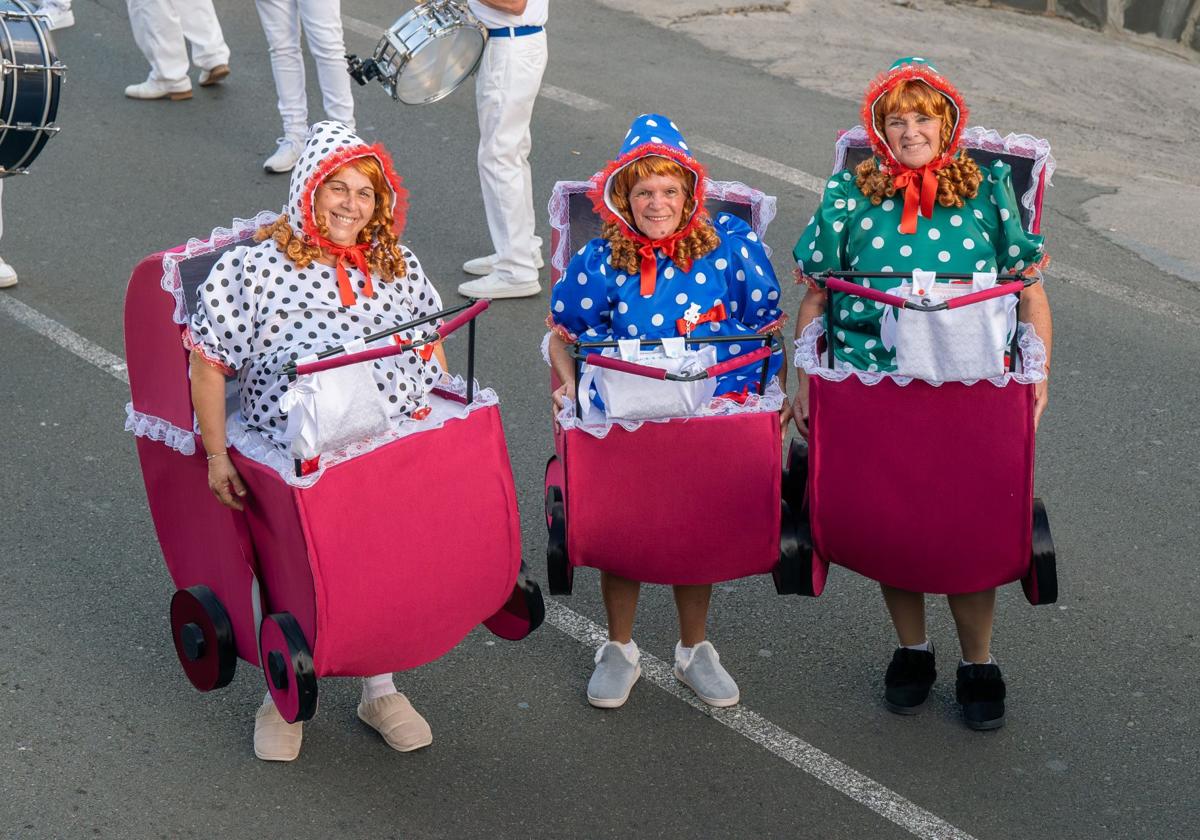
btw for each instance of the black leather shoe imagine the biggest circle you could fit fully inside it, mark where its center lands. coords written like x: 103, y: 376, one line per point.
x: 980, y: 690
x: 908, y: 680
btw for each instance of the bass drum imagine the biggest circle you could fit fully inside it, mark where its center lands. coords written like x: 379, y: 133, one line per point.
x: 426, y: 54
x: 29, y: 86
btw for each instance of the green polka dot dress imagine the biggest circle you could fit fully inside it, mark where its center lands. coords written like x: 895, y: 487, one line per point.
x: 849, y: 233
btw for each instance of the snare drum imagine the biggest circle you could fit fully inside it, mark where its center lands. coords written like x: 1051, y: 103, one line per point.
x: 29, y: 86
x: 425, y: 54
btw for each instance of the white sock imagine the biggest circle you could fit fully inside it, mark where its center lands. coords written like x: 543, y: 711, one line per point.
x: 380, y: 685
x: 962, y: 663
x: 267, y: 699
x: 923, y: 646
x: 683, y: 655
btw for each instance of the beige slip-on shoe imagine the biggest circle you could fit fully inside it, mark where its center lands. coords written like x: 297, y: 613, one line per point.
x: 394, y: 717
x: 274, y: 738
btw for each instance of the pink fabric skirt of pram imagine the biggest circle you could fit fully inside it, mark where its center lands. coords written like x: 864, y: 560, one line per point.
x: 921, y: 487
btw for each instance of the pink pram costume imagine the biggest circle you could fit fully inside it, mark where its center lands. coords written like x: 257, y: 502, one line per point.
x: 360, y: 565
x: 616, y: 489
x: 947, y: 505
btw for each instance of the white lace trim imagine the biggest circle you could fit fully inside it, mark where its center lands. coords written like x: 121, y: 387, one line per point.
x: 811, y: 361
x: 762, y: 211
x: 546, y: 348
x: 221, y: 237
x: 977, y: 137
x: 156, y: 428
x: 258, y: 447
x: 771, y: 401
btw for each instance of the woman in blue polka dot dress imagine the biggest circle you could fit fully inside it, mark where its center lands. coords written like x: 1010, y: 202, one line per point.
x: 919, y: 203
x: 662, y: 268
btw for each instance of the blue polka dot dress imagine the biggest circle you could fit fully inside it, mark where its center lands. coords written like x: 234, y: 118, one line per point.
x: 595, y: 302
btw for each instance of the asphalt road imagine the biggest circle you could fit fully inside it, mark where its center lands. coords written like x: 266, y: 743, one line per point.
x: 101, y: 735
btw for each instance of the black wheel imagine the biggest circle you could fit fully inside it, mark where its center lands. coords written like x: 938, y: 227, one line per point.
x: 795, y: 475
x: 203, y: 636
x: 794, y: 573
x: 522, y: 613
x: 288, y: 666
x: 1041, y: 582
x: 559, y: 573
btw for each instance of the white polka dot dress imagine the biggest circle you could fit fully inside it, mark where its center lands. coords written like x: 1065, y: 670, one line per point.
x: 257, y: 311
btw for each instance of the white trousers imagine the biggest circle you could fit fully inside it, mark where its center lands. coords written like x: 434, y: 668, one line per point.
x: 505, y: 89
x: 321, y: 22
x: 160, y: 27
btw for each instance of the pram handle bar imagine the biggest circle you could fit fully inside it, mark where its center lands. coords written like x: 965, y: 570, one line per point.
x: 836, y: 284
x: 332, y: 359
x: 658, y: 373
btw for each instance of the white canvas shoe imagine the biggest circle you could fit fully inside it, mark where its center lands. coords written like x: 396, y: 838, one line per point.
x: 158, y: 89
x: 8, y: 275
x: 484, y: 265
x: 285, y: 156
x: 494, y: 287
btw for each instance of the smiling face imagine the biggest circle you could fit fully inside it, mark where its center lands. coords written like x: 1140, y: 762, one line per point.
x: 913, y: 137
x: 657, y: 203
x: 344, y: 203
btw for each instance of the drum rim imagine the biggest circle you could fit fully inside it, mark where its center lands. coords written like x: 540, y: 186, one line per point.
x: 420, y: 16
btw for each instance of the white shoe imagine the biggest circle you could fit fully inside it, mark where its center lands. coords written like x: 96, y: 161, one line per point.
x: 56, y: 16
x: 8, y: 276
x: 484, y: 265
x: 213, y: 75
x: 158, y: 89
x: 492, y: 286
x: 285, y: 156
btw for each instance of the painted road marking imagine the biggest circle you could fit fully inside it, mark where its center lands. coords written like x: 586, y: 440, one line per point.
x: 64, y: 337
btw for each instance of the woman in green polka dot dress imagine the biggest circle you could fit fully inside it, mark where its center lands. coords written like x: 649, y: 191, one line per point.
x: 919, y: 203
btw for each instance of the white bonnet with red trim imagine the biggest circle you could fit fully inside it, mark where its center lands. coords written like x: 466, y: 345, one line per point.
x: 331, y: 145
x: 650, y: 135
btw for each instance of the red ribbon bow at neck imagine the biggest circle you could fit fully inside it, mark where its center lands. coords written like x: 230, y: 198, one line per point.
x: 356, y: 254
x: 916, y: 197
x: 649, y: 267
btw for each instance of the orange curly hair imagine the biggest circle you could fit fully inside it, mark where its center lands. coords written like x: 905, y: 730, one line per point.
x: 958, y: 179
x: 701, y: 240
x: 383, y: 256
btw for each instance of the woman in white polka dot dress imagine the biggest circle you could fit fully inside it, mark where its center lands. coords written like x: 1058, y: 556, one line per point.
x: 328, y: 271
x: 919, y: 203
x: 661, y: 257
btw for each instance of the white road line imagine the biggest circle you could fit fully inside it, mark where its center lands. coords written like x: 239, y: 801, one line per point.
x: 575, y: 100
x: 64, y: 337
x: 374, y: 31
x: 1124, y: 294
x: 779, y: 171
x: 753, y: 726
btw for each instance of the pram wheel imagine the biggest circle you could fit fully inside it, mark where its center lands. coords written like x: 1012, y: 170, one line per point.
x: 1040, y: 584
x: 288, y: 666
x: 795, y: 475
x: 203, y: 636
x: 797, y: 573
x: 523, y: 613
x: 559, y: 573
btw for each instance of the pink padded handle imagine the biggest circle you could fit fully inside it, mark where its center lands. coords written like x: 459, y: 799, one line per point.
x: 837, y: 285
x: 393, y: 349
x: 625, y: 367
x: 738, y: 361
